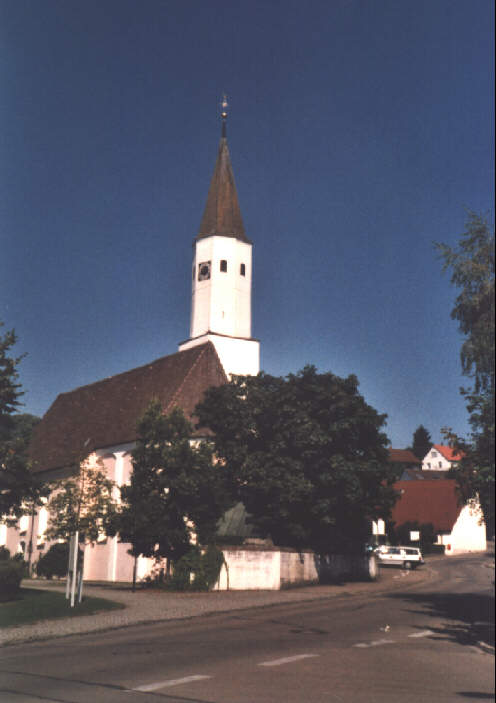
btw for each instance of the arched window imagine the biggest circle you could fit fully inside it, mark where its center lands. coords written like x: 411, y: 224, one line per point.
x: 23, y: 524
x: 42, y: 525
x: 242, y: 270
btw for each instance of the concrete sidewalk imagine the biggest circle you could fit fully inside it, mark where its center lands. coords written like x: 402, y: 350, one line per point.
x: 156, y: 605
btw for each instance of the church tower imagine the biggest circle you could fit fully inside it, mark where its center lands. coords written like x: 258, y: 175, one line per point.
x: 222, y: 274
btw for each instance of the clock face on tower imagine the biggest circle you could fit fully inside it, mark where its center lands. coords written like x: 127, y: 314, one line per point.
x: 204, y: 271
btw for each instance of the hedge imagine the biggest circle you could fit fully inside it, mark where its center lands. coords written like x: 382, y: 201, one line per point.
x: 11, y: 574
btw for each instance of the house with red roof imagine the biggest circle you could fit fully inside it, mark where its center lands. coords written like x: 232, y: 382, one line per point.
x: 440, y: 458
x: 459, y: 526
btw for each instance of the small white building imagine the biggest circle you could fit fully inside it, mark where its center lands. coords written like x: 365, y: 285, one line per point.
x: 440, y: 458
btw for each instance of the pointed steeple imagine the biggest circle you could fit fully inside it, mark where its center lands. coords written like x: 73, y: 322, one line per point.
x: 222, y: 214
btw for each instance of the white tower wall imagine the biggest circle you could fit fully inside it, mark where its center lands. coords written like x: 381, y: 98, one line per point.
x: 221, y: 303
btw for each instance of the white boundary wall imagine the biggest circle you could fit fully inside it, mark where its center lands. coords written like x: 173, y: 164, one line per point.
x: 267, y: 569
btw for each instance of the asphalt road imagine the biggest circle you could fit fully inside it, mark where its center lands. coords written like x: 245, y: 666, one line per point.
x: 427, y: 642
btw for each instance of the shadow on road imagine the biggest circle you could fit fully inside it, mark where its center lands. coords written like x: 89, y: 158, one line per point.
x: 469, y: 616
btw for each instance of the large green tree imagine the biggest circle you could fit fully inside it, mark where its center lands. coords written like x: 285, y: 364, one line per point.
x: 18, y: 487
x: 305, y: 454
x: 472, y: 271
x: 177, y: 491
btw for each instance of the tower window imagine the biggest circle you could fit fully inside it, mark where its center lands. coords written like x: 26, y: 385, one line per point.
x: 204, y: 271
x: 242, y: 270
x: 223, y: 265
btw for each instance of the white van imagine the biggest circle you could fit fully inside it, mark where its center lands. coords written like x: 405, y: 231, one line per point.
x: 407, y: 557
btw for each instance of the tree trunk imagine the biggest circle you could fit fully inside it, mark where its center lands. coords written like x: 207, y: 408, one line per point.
x: 135, y: 568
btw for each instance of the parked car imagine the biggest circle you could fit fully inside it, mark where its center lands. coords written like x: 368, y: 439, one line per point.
x: 407, y: 557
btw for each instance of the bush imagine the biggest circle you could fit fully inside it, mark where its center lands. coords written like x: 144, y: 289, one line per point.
x: 54, y: 562
x: 19, y: 559
x: 213, y: 560
x: 4, y: 554
x: 11, y: 574
x: 196, y: 571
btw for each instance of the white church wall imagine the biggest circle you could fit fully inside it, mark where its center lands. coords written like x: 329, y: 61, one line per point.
x: 13, y: 538
x: 108, y: 560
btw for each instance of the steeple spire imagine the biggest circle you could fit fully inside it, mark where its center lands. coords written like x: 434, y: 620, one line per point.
x: 224, y: 105
x: 222, y: 214
x: 222, y: 273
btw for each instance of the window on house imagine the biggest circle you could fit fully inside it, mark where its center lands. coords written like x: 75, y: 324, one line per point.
x: 440, y: 464
x: 23, y: 524
x: 42, y: 525
x: 242, y: 270
x: 428, y: 465
x: 433, y: 453
x: 223, y: 265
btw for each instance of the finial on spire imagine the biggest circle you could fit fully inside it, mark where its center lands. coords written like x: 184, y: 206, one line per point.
x: 223, y: 113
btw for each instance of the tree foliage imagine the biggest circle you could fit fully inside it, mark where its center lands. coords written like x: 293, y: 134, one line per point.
x: 472, y: 272
x: 18, y: 487
x: 177, y: 492
x: 422, y: 442
x: 82, y: 503
x: 55, y: 561
x: 305, y: 454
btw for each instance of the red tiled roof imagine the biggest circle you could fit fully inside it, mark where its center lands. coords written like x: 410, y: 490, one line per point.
x: 427, y: 501
x: 449, y: 453
x: 403, y: 456
x: 105, y: 413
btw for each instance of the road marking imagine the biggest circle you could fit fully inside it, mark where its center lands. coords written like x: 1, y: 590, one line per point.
x: 423, y: 633
x: 374, y: 643
x: 483, y: 622
x: 287, y: 660
x: 169, y: 682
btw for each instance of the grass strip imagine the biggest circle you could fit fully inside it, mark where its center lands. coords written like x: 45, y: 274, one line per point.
x: 34, y: 605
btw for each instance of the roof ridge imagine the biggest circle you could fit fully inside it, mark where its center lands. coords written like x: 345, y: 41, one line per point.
x: 172, y: 401
x: 449, y: 453
x: 125, y: 373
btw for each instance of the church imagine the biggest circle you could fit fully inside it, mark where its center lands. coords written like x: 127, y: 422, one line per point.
x: 99, y: 420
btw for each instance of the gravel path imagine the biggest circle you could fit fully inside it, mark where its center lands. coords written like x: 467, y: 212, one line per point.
x: 154, y: 606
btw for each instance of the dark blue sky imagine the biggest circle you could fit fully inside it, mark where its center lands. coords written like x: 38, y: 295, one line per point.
x: 360, y: 131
